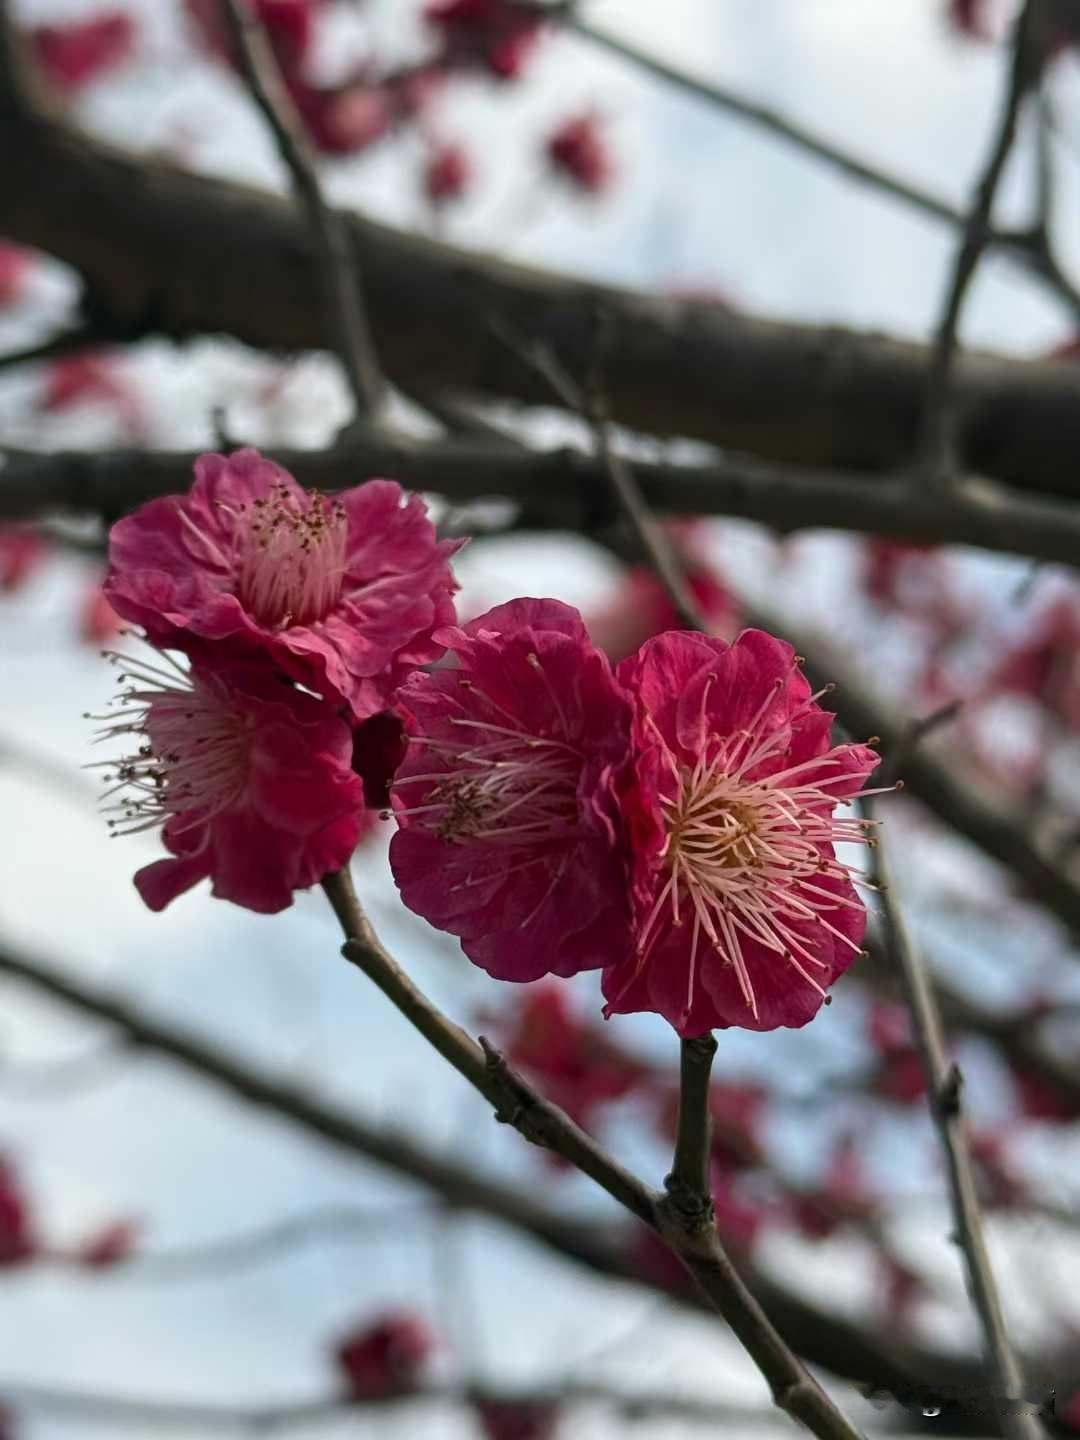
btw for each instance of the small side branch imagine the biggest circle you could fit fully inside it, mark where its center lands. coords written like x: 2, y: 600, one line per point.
x: 345, y: 307
x: 1018, y: 1420
x: 938, y: 439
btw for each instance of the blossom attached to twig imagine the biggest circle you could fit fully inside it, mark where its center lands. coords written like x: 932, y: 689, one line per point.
x: 249, y: 780
x: 506, y: 799
x: 743, y: 913
x: 342, y: 594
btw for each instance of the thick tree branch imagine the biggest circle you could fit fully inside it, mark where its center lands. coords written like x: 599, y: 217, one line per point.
x: 543, y: 1123
x: 168, y: 253
x: 565, y: 489
x: 1019, y: 1422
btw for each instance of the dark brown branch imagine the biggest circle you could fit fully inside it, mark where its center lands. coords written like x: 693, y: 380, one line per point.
x: 844, y: 1347
x: 1027, y: 54
x: 543, y: 1123
x: 65, y: 343
x: 945, y: 1082
x: 564, y: 489
x: 342, y: 282
x: 199, y: 256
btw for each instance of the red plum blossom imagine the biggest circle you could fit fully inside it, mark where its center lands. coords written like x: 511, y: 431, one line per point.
x: 507, y: 796
x: 743, y: 914
x: 341, y: 594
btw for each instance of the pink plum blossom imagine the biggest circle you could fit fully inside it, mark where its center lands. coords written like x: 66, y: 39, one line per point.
x: 506, y: 798
x: 342, y: 594
x: 743, y: 914
x: 249, y: 779
x: 388, y: 1356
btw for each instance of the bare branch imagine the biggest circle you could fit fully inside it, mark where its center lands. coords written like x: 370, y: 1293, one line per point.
x: 561, y: 489
x: 1027, y: 56
x: 765, y: 117
x: 842, y: 1346
x: 345, y: 307
x: 542, y: 1123
x: 1018, y: 1420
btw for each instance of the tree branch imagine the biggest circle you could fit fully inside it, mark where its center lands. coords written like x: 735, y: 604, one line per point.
x: 542, y: 1123
x: 563, y: 488
x: 342, y: 282
x: 689, y: 1185
x: 846, y: 1348
x: 199, y: 256
x: 1018, y: 1420
x: 1028, y: 51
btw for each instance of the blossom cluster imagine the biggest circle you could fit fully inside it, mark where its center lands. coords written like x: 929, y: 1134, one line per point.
x: 280, y: 624
x: 671, y: 821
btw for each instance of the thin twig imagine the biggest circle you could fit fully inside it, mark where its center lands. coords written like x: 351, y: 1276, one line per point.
x: 53, y: 348
x: 542, y: 1123
x: 1018, y: 1420
x: 1020, y: 244
x: 345, y: 307
x: 938, y: 437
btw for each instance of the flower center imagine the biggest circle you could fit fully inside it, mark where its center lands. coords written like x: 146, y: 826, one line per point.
x: 193, y: 755
x: 500, y: 785
x: 745, y: 859
x: 291, y: 558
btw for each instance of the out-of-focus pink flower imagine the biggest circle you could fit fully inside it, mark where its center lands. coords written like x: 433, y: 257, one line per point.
x: 1068, y: 1413
x: 342, y: 594
x: 843, y: 1196
x: 1039, y: 1099
x: 17, y: 1241
x: 899, y: 1074
x: 22, y: 553
x: 902, y: 1288
x: 387, y: 1356
x: 642, y: 607
x: 249, y: 779
x: 506, y: 798
x: 575, y: 1063
x: 1045, y: 663
x: 347, y: 118
x: 1002, y: 1188
x: 517, y: 1419
x: 743, y: 915
x: 73, y: 56
x: 447, y: 173
x: 88, y: 377
x: 99, y: 623
x: 737, y: 1113
x: 15, y: 265
x: 970, y: 18
x: 498, y: 34
x: 578, y: 151
x: 111, y: 1245
x: 740, y: 1218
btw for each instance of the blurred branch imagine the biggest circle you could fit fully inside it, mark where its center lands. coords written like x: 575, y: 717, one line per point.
x: 800, y: 137
x: 1018, y: 1421
x: 845, y: 1347
x: 542, y: 1123
x: 344, y: 307
x: 1028, y: 53
x: 203, y: 256
x: 56, y: 346
x: 562, y: 488
x: 96, y: 1407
